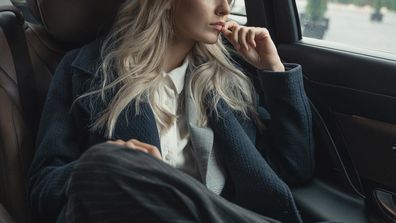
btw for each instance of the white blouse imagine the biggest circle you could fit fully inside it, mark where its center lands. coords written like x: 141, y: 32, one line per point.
x: 176, y: 148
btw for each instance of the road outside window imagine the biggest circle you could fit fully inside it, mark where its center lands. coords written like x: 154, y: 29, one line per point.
x: 367, y: 24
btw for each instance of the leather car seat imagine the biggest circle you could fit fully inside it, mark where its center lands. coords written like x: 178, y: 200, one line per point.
x: 15, y: 142
x: 63, y: 25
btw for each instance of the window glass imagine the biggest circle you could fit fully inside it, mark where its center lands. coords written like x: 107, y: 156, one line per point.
x: 238, y: 12
x: 368, y: 24
x: 5, y: 2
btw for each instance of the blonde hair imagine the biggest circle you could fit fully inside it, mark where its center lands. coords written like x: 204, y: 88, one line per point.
x: 132, y: 62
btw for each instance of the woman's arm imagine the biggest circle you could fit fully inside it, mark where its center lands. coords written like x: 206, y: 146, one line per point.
x: 289, y: 133
x: 57, y: 146
x: 289, y: 141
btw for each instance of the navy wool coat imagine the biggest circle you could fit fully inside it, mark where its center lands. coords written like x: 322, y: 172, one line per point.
x: 259, y: 166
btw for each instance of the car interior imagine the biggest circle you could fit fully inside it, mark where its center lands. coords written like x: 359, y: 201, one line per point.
x: 352, y: 95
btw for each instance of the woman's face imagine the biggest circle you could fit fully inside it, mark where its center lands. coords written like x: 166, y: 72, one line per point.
x: 200, y: 20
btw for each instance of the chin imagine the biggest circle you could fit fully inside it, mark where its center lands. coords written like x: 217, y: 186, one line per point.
x: 211, y: 39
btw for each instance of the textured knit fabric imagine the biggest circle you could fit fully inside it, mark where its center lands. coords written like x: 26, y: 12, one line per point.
x: 258, y: 171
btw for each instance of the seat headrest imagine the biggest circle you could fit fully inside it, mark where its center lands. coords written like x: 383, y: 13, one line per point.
x: 75, y: 22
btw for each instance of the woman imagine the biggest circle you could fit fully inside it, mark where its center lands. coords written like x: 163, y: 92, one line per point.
x: 154, y: 123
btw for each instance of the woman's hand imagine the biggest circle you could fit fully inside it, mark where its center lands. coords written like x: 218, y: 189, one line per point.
x: 254, y: 44
x: 137, y: 145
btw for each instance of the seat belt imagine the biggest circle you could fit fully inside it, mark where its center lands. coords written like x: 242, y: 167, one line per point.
x: 15, y: 34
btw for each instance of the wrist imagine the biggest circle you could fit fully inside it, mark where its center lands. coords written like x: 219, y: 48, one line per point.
x: 279, y: 67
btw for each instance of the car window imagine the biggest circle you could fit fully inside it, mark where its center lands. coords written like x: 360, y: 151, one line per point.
x: 5, y: 2
x: 367, y: 24
x: 238, y: 12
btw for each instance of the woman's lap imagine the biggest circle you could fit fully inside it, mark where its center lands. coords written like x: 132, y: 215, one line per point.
x: 114, y: 184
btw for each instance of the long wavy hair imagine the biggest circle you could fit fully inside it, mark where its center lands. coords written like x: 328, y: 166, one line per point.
x: 132, y: 62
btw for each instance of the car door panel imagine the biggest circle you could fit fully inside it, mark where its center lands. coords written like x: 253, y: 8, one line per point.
x: 331, y: 204
x: 370, y: 141
x: 357, y: 95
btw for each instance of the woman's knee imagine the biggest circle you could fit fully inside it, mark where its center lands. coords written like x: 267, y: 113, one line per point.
x: 100, y: 162
x: 107, y: 156
x: 101, y: 151
x: 109, y: 161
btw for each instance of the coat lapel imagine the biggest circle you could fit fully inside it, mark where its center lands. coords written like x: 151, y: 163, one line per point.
x: 202, y: 140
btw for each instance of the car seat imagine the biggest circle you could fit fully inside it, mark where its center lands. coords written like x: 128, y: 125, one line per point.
x: 29, y: 54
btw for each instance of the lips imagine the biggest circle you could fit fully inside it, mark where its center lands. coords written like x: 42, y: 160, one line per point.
x: 218, y: 25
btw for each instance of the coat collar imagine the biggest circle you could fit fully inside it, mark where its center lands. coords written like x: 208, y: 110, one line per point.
x: 88, y: 59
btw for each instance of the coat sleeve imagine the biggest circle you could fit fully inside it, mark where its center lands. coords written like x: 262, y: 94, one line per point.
x: 288, y: 136
x: 57, y: 146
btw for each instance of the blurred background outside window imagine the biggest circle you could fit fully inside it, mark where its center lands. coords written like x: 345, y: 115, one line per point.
x: 238, y: 12
x: 368, y: 24
x: 5, y: 2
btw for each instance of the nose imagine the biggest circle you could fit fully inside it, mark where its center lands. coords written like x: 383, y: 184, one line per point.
x: 223, y: 8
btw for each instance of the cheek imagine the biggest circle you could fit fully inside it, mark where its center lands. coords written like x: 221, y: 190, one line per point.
x: 192, y: 19
x: 189, y: 23
x: 192, y: 11
x: 184, y: 24
x: 183, y: 16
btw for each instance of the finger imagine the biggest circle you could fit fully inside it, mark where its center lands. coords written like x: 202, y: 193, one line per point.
x: 234, y: 37
x: 229, y: 32
x: 153, y: 150
x: 144, y: 145
x: 250, y: 38
x: 225, y: 31
x: 242, y: 38
x: 116, y: 142
x: 261, y: 34
x: 230, y: 25
x: 156, y: 154
x: 130, y: 145
x: 141, y: 149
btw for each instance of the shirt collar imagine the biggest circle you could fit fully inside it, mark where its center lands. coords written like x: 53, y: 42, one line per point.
x: 178, y: 75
